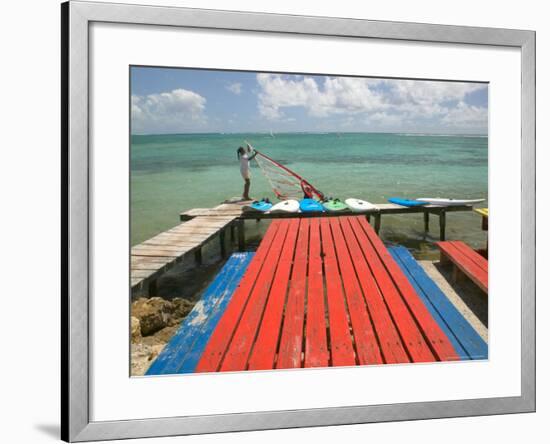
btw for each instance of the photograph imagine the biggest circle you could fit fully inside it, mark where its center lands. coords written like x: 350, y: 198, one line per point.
x: 298, y: 220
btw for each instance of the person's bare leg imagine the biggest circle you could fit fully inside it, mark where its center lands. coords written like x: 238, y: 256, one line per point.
x: 246, y: 189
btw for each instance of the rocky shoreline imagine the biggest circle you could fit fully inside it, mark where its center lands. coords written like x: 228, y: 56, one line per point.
x: 153, y: 322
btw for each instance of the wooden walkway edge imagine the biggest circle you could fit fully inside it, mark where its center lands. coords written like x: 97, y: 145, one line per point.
x: 155, y: 256
x: 239, y: 211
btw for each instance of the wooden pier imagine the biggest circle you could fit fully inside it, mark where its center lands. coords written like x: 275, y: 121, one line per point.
x: 198, y: 226
x: 153, y: 257
x: 242, y: 213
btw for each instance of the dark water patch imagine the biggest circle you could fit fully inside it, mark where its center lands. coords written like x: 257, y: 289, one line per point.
x: 397, y: 160
x: 353, y: 160
x: 162, y: 166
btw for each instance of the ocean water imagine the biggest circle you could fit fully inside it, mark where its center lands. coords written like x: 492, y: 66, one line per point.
x: 173, y: 173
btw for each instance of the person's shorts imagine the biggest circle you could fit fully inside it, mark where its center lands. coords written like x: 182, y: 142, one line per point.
x: 246, y: 175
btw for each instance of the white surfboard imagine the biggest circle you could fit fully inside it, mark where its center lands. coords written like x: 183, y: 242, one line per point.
x: 286, y: 206
x: 443, y: 201
x: 359, y: 206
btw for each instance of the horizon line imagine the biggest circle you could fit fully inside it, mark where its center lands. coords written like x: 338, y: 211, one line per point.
x: 423, y: 133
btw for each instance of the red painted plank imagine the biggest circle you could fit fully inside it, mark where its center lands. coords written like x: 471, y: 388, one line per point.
x: 436, y: 338
x: 410, y: 334
x: 265, y: 347
x: 466, y: 264
x: 390, y: 342
x: 341, y: 345
x: 366, y: 343
x: 236, y: 356
x: 292, y: 335
x: 217, y: 345
x: 471, y: 254
x: 316, y: 351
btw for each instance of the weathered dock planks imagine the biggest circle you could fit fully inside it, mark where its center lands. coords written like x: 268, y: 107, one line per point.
x: 155, y: 256
x: 241, y: 212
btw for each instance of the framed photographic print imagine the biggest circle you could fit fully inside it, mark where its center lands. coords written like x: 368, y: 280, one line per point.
x: 259, y: 206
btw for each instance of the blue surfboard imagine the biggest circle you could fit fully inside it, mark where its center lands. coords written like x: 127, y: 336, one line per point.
x: 310, y: 206
x: 406, y: 202
x: 261, y: 205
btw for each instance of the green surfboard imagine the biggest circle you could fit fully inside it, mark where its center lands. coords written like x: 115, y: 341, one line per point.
x: 335, y: 205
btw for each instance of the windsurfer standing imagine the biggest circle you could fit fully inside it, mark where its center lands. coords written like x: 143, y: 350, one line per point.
x: 245, y: 156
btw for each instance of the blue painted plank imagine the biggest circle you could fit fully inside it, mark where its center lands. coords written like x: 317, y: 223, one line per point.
x: 190, y: 362
x: 394, y: 251
x: 183, y: 351
x: 180, y: 339
x: 467, y: 342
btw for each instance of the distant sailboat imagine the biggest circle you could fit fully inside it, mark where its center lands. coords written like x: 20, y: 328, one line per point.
x: 271, y: 133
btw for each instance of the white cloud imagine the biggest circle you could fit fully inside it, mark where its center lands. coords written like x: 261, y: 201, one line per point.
x: 382, y: 102
x: 464, y: 115
x: 339, y: 95
x: 174, y: 111
x: 384, y: 119
x: 429, y: 92
x: 235, y: 88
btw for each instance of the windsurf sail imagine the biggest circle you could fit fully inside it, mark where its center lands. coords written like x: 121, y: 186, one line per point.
x: 285, y: 183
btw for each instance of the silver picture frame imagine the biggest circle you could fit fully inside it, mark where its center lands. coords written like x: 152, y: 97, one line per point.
x: 75, y: 395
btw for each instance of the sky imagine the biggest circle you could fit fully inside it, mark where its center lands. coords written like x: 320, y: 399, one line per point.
x: 178, y: 100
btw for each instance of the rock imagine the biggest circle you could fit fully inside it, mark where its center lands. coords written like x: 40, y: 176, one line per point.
x: 155, y: 350
x: 139, y: 359
x: 154, y: 321
x: 164, y: 335
x: 153, y: 314
x: 142, y: 357
x: 135, y: 329
x: 182, y: 307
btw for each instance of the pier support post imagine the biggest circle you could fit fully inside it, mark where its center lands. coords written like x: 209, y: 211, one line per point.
x: 442, y: 222
x: 426, y: 221
x: 198, y: 256
x: 222, y: 243
x: 152, y: 289
x: 377, y: 222
x: 240, y: 234
x: 232, y: 233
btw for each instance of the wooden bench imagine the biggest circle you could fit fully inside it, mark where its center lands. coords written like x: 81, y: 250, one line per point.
x: 323, y: 292
x: 465, y: 339
x: 468, y: 261
x: 183, y: 351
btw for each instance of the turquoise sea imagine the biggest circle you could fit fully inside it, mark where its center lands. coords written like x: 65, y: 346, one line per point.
x: 172, y: 173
